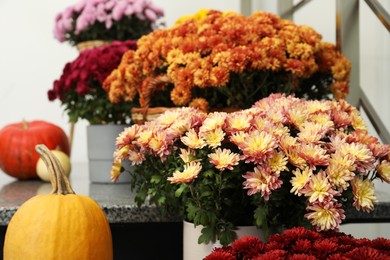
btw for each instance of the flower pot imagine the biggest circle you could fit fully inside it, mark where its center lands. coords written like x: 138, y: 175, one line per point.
x: 194, y: 251
x: 101, y: 147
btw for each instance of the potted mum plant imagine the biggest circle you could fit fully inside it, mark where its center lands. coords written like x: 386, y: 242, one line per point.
x: 214, y: 60
x: 79, y: 90
x: 282, y: 163
x: 301, y: 243
x: 101, y: 21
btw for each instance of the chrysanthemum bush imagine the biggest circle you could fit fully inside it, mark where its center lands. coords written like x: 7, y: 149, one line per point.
x: 80, y: 91
x: 284, y: 162
x: 301, y: 243
x: 107, y: 20
x: 224, y: 59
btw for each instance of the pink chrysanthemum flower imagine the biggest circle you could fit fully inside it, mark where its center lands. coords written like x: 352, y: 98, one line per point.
x: 127, y: 136
x: 384, y: 171
x: 168, y: 118
x: 322, y: 119
x: 362, y: 155
x: 187, y: 155
x: 294, y: 158
x: 190, y: 172
x: 115, y: 170
x: 278, y: 162
x: 213, y: 121
x: 319, y: 188
x: 357, y: 121
x: 257, y: 146
x: 224, y: 159
x: 364, y: 194
x: 192, y: 140
x: 311, y: 132
x: 238, y: 138
x: 325, y: 216
x: 213, y: 138
x: 313, y: 154
x: 239, y: 121
x: 135, y: 157
x: 341, y: 170
x: 300, y: 180
x: 296, y: 117
x: 159, y: 144
x: 261, y: 180
x: 144, y: 135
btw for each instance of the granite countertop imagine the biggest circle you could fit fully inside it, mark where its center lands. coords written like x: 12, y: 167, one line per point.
x: 117, y: 200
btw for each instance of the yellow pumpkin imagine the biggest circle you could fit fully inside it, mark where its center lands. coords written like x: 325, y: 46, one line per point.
x: 60, y: 225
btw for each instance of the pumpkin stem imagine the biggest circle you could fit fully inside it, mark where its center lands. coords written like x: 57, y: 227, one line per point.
x: 25, y: 124
x: 58, y: 179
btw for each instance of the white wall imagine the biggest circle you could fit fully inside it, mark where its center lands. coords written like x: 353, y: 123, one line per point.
x: 31, y: 59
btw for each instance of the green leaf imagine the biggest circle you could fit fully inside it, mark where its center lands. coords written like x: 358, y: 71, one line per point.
x: 207, y: 235
x: 227, y: 236
x: 180, y: 190
x: 155, y: 179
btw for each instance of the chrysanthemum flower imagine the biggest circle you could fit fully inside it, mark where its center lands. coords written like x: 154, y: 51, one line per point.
x: 384, y: 170
x: 341, y: 170
x: 311, y: 132
x: 364, y: 194
x: 190, y: 172
x: 322, y: 119
x: 238, y: 138
x: 213, y: 138
x: 192, y: 140
x: 187, y: 155
x: 294, y: 158
x: 362, y: 155
x: 326, y: 216
x: 318, y: 188
x: 257, y: 146
x: 115, y: 170
x: 224, y: 159
x: 261, y: 180
x: 278, y: 162
x: 159, y: 144
x: 199, y: 103
x: 313, y: 154
x: 135, y: 157
x: 213, y: 121
x: 300, y: 180
x: 239, y: 121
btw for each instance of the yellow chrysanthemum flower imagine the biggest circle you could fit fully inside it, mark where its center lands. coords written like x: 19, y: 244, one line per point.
x: 318, y: 188
x: 192, y: 140
x: 300, y: 180
x: 190, y: 172
x: 278, y: 162
x: 239, y: 121
x: 341, y: 170
x: 224, y: 159
x: 364, y: 194
x: 326, y: 216
x: 384, y: 171
x: 213, y: 138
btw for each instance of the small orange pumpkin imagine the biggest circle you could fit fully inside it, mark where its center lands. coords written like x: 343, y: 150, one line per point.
x: 60, y: 225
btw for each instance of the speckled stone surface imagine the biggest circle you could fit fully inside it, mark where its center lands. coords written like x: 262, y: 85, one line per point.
x: 117, y: 200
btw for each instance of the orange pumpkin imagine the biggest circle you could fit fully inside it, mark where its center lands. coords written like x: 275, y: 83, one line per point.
x: 17, y: 143
x: 60, y: 225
